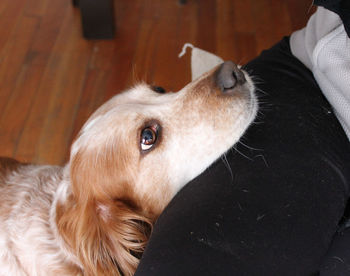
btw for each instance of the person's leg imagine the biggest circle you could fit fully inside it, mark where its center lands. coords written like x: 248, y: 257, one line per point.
x: 274, y: 206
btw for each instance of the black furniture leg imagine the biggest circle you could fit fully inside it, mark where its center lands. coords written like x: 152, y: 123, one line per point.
x: 75, y: 3
x: 97, y: 18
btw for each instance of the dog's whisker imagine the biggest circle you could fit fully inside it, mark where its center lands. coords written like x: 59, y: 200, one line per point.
x: 249, y: 146
x: 136, y: 77
x: 262, y: 91
x: 227, y: 164
x: 240, y: 61
x: 235, y: 149
x: 258, y: 123
x: 256, y: 79
x: 263, y: 158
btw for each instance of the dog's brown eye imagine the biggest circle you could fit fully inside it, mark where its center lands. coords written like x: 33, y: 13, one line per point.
x: 158, y: 89
x: 148, y: 137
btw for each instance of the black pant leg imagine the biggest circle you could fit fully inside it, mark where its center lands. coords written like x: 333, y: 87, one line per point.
x: 276, y: 210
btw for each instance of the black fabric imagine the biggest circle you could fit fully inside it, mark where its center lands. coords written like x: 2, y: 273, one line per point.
x: 276, y: 212
x: 337, y: 261
x: 340, y: 7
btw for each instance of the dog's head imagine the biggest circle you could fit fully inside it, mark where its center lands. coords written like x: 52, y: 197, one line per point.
x: 138, y: 149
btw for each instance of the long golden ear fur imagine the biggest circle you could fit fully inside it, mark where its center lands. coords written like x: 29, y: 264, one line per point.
x: 107, y: 237
x: 100, y: 223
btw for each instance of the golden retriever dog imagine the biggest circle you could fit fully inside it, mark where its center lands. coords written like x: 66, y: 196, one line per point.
x: 94, y: 215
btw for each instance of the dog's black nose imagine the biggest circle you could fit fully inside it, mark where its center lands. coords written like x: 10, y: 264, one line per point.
x: 228, y: 76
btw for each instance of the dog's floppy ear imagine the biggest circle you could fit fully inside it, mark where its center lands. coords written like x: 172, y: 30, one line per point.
x: 105, y: 230
x: 106, y: 237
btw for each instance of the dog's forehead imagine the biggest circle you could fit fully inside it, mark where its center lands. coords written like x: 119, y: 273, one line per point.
x: 144, y: 95
x: 137, y: 96
x: 132, y: 107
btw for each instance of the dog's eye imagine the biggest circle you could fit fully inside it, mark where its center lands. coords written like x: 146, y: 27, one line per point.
x: 158, y: 89
x: 148, y: 137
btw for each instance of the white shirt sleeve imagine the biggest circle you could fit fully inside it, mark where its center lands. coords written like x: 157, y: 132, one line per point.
x: 324, y: 47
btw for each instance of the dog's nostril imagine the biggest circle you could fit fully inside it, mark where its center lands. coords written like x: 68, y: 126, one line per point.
x: 240, y: 76
x: 228, y: 76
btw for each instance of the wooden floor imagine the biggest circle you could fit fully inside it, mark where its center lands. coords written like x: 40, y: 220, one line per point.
x: 51, y: 79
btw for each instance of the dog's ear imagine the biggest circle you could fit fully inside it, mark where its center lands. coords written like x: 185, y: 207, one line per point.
x: 128, y: 232
x: 99, y: 221
x: 107, y: 237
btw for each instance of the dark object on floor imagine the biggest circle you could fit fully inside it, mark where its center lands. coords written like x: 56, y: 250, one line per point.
x: 97, y: 18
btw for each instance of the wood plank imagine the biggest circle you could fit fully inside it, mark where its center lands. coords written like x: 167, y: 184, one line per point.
x: 300, y: 11
x: 49, y: 124
x: 65, y: 96
x: 282, y: 23
x: 241, y: 17
x: 168, y: 43
x: 225, y: 34
x: 38, y: 48
x: 18, y: 109
x: 49, y: 29
x: 186, y: 33
x: 30, y: 76
x: 235, y: 31
x: 272, y: 22
x: 245, y: 48
x: 12, y: 10
x: 206, y: 29
x: 145, y: 46
x: 128, y: 23
x: 3, y: 5
x: 22, y: 50
x: 13, y: 54
x: 37, y: 7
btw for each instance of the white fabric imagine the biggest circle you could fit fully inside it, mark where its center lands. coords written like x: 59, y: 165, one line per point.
x: 324, y: 47
x: 201, y: 61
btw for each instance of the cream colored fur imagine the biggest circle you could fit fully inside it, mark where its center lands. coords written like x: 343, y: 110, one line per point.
x: 94, y: 215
